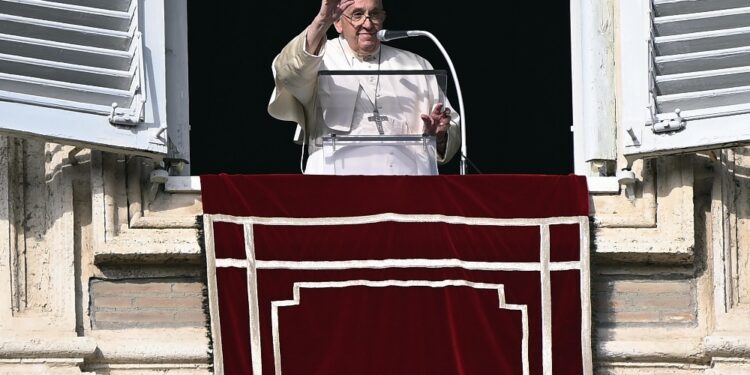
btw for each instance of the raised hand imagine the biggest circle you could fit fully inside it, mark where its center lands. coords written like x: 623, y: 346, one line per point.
x: 331, y: 10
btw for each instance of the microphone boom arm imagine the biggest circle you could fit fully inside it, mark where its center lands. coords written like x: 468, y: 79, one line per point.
x: 386, y: 35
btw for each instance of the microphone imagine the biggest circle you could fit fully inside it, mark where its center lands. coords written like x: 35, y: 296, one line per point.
x: 388, y: 35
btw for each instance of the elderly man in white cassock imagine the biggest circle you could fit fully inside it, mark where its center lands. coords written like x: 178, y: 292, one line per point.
x: 372, y: 105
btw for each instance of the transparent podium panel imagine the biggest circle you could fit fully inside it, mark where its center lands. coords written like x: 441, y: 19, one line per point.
x: 380, y: 155
x: 389, y: 102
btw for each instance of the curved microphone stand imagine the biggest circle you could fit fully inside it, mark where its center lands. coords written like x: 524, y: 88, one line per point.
x: 386, y: 35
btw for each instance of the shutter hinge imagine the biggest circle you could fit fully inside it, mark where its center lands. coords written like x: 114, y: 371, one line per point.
x: 669, y: 125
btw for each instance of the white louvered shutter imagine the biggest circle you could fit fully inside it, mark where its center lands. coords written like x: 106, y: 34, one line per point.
x: 698, y: 64
x: 85, y: 72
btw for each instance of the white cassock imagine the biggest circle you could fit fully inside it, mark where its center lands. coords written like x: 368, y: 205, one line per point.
x: 345, y: 104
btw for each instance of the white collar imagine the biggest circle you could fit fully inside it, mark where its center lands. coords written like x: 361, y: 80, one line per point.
x: 351, y: 55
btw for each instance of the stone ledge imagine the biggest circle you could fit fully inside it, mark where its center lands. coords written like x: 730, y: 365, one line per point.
x: 183, y: 184
x: 40, y: 345
x: 138, y: 246
x: 169, y: 222
x: 669, y: 350
x: 150, y: 369
x: 729, y: 366
x: 650, y: 368
x: 650, y: 346
x: 671, y: 243
x: 603, y: 185
x: 728, y: 344
x: 644, y: 247
x: 174, y: 346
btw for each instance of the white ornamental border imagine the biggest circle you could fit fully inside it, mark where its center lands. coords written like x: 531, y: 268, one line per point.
x: 544, y: 267
x: 403, y: 284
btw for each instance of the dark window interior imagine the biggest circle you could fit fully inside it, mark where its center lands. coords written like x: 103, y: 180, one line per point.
x: 512, y: 58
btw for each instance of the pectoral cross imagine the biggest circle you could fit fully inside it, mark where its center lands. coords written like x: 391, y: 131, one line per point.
x: 378, y: 119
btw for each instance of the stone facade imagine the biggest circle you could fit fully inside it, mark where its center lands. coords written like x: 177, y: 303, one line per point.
x: 103, y: 272
x: 668, y: 278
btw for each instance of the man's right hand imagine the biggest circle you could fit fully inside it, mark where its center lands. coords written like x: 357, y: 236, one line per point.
x: 331, y: 10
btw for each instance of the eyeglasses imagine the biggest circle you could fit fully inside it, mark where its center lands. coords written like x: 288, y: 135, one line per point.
x: 358, y: 18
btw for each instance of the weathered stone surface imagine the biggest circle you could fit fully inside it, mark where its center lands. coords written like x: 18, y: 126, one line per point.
x: 66, y: 213
x: 147, y: 303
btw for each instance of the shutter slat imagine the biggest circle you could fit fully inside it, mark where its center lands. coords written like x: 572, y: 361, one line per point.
x: 700, y: 61
x: 702, y: 54
x: 55, y: 103
x: 675, y: 7
x: 85, y: 75
x: 63, y: 13
x: 700, y: 22
x: 704, y: 41
x: 64, y: 33
x: 64, y: 90
x: 66, y: 53
x: 704, y: 99
x: 703, y: 80
x: 117, y: 5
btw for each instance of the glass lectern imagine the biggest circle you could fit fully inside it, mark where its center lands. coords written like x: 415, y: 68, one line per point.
x: 387, y: 138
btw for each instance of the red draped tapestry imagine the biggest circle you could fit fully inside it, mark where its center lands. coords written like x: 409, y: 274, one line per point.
x: 483, y: 274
